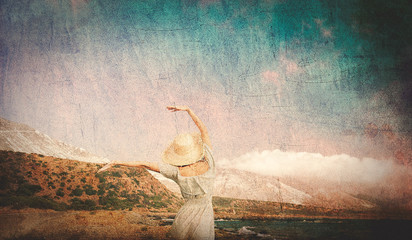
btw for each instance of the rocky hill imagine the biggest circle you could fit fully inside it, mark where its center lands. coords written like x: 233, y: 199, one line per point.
x: 311, y: 192
x: 38, y: 181
x: 233, y: 183
x: 22, y: 138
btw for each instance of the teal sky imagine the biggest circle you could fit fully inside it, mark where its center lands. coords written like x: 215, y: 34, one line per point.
x: 263, y: 75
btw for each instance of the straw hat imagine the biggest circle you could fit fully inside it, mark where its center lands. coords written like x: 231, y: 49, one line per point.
x: 185, y: 149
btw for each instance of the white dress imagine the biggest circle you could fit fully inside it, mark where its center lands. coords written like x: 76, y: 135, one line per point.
x: 195, y: 219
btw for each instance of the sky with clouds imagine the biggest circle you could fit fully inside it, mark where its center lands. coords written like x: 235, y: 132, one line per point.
x: 322, y: 77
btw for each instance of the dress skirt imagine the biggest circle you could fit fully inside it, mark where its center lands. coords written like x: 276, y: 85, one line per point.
x: 195, y: 219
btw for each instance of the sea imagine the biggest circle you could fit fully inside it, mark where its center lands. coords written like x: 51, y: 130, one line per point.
x: 319, y: 229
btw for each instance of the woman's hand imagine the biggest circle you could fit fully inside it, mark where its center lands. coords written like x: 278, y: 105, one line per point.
x: 107, y: 166
x: 177, y: 108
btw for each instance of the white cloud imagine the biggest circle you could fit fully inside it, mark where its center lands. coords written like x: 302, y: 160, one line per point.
x: 342, y: 168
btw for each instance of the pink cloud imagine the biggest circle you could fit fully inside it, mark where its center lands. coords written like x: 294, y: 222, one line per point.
x: 319, y: 22
x: 276, y: 79
x: 291, y: 67
x: 271, y: 76
x: 326, y: 32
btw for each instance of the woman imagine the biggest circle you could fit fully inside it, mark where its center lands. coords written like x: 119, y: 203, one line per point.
x: 189, y: 162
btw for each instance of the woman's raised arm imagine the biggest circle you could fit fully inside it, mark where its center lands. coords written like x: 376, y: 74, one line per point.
x: 202, y: 127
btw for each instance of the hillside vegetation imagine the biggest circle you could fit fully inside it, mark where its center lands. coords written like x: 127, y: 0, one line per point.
x: 37, y: 181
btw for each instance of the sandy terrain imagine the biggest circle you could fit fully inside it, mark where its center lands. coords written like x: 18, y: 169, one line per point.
x: 100, y: 224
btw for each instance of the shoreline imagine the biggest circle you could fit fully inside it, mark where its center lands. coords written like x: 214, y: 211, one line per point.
x: 159, y: 215
x: 359, y: 216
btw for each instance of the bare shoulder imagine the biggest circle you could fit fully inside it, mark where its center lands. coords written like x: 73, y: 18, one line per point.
x: 194, y: 169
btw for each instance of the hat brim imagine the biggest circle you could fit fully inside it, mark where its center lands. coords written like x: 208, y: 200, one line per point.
x: 169, y: 156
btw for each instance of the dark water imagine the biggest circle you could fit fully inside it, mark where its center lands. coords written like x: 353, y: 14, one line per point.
x: 320, y: 229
